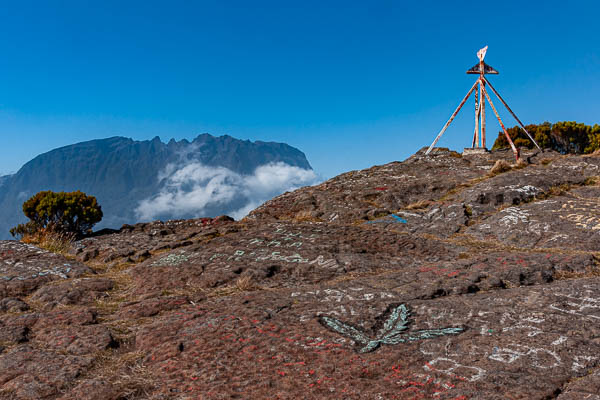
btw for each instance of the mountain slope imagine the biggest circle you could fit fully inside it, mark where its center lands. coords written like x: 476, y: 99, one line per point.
x: 122, y: 172
x: 428, y: 278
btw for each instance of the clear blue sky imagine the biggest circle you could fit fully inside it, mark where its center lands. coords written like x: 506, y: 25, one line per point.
x: 352, y: 84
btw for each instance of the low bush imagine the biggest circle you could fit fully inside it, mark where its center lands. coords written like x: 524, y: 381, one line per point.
x: 72, y: 214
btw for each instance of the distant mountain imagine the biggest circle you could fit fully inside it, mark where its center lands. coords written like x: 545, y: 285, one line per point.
x: 4, y: 179
x: 171, y: 180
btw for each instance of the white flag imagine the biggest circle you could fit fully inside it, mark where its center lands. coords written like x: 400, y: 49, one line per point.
x: 481, y: 53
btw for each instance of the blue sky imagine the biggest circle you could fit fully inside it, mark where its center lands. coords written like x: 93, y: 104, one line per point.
x: 352, y: 84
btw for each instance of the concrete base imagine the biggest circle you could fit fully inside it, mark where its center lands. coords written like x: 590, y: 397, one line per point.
x: 475, y: 150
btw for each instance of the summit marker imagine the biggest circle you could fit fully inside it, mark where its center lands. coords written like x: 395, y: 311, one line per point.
x: 481, y: 94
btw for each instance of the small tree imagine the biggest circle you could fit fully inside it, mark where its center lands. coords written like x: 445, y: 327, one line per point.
x: 72, y: 213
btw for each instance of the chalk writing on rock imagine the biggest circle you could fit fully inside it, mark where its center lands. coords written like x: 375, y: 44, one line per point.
x: 332, y: 296
x: 542, y: 358
x: 452, y: 368
x: 261, y: 255
x: 581, y: 305
x: 170, y: 260
x: 583, y: 213
x: 391, y: 333
x: 387, y: 220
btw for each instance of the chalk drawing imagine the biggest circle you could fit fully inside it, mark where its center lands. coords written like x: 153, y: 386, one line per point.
x: 397, y: 218
x: 333, y: 298
x: 386, y: 220
x: 237, y: 255
x: 513, y: 216
x: 542, y: 358
x: 559, y: 341
x: 581, y: 362
x: 392, y: 332
x: 322, y: 262
x: 522, y: 322
x: 277, y: 256
x: 217, y: 255
x: 578, y: 305
x: 337, y: 295
x: 469, y: 373
x: 584, y: 213
x: 170, y: 260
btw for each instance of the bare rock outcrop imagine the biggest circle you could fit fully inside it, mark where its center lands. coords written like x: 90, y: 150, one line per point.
x: 432, y: 278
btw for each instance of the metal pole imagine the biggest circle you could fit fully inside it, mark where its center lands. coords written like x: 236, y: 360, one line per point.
x: 482, y: 90
x: 476, y: 134
x: 512, y: 145
x: 451, y: 118
x: 513, y: 114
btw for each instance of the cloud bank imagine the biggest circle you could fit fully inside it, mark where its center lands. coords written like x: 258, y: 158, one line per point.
x: 197, y: 190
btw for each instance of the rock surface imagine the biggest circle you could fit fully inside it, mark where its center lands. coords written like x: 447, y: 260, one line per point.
x: 430, y: 278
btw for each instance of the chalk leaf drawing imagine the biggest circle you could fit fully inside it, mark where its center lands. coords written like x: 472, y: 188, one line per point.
x: 392, y: 331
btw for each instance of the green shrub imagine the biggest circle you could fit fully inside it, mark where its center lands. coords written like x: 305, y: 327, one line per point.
x: 564, y: 137
x: 73, y: 213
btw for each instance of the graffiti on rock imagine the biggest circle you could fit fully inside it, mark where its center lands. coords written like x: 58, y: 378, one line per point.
x: 391, y: 333
x: 387, y: 220
x: 170, y: 260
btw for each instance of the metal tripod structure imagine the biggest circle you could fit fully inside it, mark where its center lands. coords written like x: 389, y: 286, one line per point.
x: 481, y: 95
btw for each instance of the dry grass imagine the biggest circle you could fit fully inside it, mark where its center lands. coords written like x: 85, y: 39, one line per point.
x: 559, y: 190
x: 592, y: 154
x: 500, y: 167
x: 419, y: 205
x: 590, y: 272
x: 520, y: 164
x: 126, y: 372
x: 305, y: 216
x: 246, y: 283
x: 55, y: 242
x: 243, y: 284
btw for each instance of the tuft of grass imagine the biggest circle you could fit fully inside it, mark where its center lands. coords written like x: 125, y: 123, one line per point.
x: 243, y: 284
x: 55, y: 242
x: 590, y: 272
x: 520, y: 164
x: 246, y: 284
x: 126, y: 372
x: 500, y: 167
x: 419, y: 205
x: 559, y: 190
x: 305, y: 216
x: 468, y: 211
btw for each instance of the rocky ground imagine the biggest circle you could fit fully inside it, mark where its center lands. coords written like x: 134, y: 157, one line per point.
x: 432, y: 278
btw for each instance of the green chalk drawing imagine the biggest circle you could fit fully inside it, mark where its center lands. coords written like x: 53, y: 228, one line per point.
x: 170, y: 260
x: 391, y: 333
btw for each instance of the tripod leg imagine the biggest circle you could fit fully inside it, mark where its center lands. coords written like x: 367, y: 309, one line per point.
x: 512, y: 145
x: 482, y: 90
x: 462, y: 103
x: 514, y: 116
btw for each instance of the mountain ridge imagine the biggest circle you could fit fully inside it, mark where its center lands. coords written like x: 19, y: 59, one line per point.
x: 121, y: 171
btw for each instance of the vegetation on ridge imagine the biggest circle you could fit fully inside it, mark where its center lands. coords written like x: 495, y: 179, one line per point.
x: 63, y: 213
x: 564, y: 137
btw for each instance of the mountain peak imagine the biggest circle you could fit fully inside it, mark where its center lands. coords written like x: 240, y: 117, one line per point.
x: 122, y: 172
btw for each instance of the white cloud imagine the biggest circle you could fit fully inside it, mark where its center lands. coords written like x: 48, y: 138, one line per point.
x: 198, y: 190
